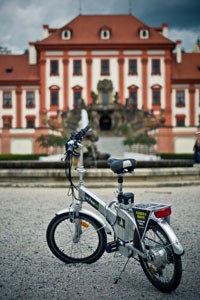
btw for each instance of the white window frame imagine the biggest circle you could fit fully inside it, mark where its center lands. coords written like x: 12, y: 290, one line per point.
x: 144, y: 33
x: 66, y: 34
x: 107, y: 37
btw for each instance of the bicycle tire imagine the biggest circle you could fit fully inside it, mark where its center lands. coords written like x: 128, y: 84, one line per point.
x: 164, y: 271
x: 87, y: 248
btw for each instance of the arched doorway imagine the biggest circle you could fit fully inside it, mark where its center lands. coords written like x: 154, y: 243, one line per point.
x: 105, y: 123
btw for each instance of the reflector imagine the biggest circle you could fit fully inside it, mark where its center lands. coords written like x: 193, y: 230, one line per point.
x: 84, y: 224
x: 163, y: 213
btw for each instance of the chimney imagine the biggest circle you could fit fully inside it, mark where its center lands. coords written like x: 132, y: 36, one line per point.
x: 165, y: 30
x: 32, y: 54
x: 178, y: 52
x: 45, y: 31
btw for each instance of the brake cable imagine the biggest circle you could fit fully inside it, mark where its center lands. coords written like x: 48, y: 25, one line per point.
x: 68, y: 167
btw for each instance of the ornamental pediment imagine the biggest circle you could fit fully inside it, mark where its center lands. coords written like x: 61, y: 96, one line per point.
x: 105, y: 85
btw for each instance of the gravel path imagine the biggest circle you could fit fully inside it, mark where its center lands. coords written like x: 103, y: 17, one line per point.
x: 28, y: 270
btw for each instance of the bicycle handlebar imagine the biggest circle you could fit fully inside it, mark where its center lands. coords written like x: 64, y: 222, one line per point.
x: 75, y: 138
x: 78, y: 136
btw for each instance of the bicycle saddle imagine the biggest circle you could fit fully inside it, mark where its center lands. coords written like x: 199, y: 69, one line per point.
x: 120, y: 166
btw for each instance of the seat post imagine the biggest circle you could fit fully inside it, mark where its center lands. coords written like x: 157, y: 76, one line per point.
x: 120, y: 188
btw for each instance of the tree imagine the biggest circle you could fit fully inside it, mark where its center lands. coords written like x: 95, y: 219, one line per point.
x: 4, y: 50
x: 124, y: 129
x: 47, y: 141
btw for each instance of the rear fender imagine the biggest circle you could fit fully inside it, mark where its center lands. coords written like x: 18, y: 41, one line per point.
x: 176, y: 245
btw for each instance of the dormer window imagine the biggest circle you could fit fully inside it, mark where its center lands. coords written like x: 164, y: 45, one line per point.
x: 105, y: 33
x: 9, y: 70
x: 144, y: 33
x: 66, y: 34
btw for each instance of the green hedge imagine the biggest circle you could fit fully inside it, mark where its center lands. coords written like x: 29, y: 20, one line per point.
x: 20, y: 156
x: 186, y: 156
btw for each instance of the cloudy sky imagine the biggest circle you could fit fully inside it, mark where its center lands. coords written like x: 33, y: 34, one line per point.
x: 21, y: 21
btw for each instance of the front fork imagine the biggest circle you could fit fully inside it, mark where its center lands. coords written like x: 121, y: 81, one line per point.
x: 74, y: 212
x: 77, y: 230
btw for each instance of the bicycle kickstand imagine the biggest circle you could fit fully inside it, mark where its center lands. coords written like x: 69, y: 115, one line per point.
x: 123, y: 269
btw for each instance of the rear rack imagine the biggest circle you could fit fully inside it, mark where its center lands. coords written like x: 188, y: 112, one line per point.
x: 151, y: 206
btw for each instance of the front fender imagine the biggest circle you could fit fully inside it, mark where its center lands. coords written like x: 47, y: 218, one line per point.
x: 89, y: 213
x: 176, y: 245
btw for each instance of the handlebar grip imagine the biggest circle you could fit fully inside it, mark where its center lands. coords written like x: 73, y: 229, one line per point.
x: 82, y: 132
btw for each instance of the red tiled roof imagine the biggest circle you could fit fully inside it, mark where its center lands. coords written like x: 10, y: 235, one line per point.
x: 17, y: 68
x: 189, y: 68
x: 124, y: 30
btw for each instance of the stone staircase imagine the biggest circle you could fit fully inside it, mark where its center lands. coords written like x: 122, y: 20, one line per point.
x: 112, y: 145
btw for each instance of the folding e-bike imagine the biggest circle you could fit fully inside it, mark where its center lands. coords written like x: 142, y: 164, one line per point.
x: 140, y: 231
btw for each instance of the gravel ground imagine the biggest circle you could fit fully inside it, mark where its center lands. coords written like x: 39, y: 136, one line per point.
x: 29, y: 271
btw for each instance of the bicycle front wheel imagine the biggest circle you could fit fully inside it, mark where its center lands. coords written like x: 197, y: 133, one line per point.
x: 164, y: 267
x: 80, y: 239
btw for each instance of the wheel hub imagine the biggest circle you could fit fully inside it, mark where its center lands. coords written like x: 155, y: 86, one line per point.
x: 158, y: 257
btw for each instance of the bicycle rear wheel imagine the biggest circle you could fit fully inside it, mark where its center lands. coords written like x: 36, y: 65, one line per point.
x: 80, y: 239
x: 164, y: 269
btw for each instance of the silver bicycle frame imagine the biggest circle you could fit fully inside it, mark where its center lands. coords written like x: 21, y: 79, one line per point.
x: 122, y: 221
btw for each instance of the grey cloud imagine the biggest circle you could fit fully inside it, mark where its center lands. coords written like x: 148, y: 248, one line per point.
x: 21, y: 20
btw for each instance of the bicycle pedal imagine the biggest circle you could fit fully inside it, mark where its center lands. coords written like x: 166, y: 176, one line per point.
x: 112, y: 246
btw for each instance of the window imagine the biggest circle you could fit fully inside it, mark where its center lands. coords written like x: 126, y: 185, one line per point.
x: 132, y: 67
x: 30, y: 99
x: 155, y: 67
x: 66, y: 34
x: 77, y: 67
x: 54, y: 96
x: 7, y: 122
x: 180, y: 120
x: 9, y: 70
x: 54, y: 67
x: 30, y: 121
x: 105, y: 98
x: 180, y: 98
x: 156, y: 95
x: 105, y: 34
x: 144, y: 33
x: 77, y: 96
x: 7, y: 100
x: 105, y: 67
x: 133, y: 95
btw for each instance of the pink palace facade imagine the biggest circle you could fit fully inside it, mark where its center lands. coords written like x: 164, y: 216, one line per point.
x: 143, y: 66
